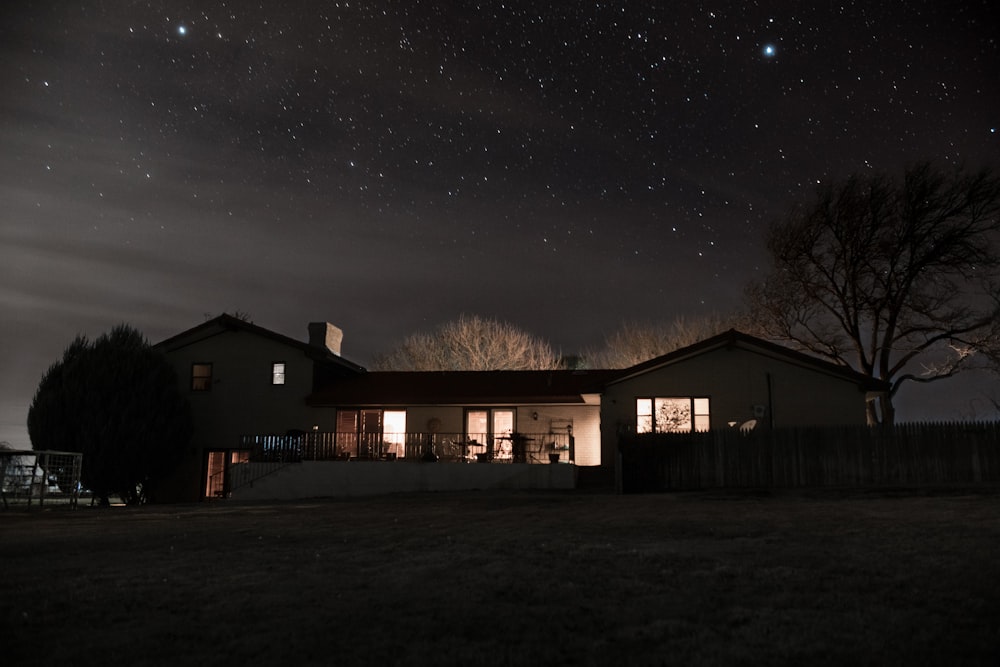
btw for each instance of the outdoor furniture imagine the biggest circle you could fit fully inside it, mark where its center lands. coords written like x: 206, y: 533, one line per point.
x: 518, y: 446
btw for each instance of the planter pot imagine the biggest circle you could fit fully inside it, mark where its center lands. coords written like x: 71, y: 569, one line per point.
x: 554, y: 458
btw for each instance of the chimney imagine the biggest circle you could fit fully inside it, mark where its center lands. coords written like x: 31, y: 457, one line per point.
x: 325, y: 336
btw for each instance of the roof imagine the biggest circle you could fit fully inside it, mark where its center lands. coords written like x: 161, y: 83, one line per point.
x: 227, y: 323
x: 463, y: 387
x: 734, y: 338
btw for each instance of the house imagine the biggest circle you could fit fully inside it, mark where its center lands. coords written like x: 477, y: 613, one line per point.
x: 520, y: 416
x: 253, y: 390
x: 241, y: 378
x: 732, y: 380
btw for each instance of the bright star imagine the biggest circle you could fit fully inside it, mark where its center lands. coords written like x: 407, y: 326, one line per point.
x: 182, y: 30
x: 770, y: 50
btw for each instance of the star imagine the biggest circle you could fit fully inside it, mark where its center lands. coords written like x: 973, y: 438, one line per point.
x: 770, y: 50
x: 182, y: 30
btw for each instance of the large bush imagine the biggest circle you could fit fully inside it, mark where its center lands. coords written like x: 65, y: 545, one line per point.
x: 116, y: 400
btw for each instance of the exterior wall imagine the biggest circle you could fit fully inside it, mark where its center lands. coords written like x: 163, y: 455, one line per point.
x: 242, y: 399
x: 318, y: 479
x: 586, y: 422
x: 735, y: 380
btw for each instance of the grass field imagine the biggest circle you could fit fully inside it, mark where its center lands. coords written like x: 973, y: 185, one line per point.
x: 518, y: 578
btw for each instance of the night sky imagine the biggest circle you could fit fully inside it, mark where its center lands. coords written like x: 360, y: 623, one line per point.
x: 387, y: 166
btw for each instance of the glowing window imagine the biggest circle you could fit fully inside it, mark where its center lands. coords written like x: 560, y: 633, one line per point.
x: 491, y: 429
x: 394, y: 431
x: 671, y: 415
x: 278, y: 373
x: 371, y: 433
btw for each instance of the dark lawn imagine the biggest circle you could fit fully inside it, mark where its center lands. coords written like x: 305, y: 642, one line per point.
x: 822, y: 578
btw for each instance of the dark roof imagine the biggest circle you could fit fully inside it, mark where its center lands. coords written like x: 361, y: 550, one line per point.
x: 463, y: 387
x: 225, y: 323
x: 734, y: 338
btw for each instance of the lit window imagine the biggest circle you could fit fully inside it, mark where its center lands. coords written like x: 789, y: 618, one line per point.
x: 671, y: 415
x: 371, y: 433
x: 394, y: 432
x: 278, y: 373
x: 201, y: 377
x: 492, y: 430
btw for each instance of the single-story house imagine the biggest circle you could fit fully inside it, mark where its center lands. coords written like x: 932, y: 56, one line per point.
x: 520, y: 416
x: 247, y: 384
x: 732, y: 380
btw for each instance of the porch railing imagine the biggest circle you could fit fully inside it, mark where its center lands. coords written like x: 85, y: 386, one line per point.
x: 444, y: 447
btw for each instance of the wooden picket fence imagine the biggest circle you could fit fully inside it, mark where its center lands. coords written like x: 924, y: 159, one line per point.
x: 905, y: 455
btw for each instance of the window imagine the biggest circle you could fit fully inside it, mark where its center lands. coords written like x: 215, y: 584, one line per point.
x: 201, y: 377
x: 671, y: 415
x: 278, y: 373
x: 491, y: 429
x: 371, y: 433
x: 394, y: 431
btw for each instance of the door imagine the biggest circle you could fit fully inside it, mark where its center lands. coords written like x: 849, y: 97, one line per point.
x: 371, y: 434
x: 492, y: 428
x: 219, y: 469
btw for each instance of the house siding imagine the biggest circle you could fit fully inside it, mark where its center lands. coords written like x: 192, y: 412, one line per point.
x: 242, y: 399
x: 586, y: 421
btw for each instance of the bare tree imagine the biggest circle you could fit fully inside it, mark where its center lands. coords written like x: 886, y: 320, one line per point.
x: 470, y: 343
x: 897, y: 280
x: 635, y: 342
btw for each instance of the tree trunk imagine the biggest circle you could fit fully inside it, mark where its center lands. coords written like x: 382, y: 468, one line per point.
x: 881, y: 412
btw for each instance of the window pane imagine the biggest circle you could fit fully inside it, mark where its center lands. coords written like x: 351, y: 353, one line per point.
x: 644, y: 415
x: 503, y: 422
x: 394, y: 431
x: 644, y: 424
x: 278, y: 374
x: 702, y: 420
x: 347, y: 432
x: 477, y: 425
x: 201, y: 377
x: 503, y: 426
x: 371, y: 433
x: 672, y: 414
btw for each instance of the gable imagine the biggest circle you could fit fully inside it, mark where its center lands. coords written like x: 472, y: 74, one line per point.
x: 221, y: 334
x: 765, y: 350
x: 744, y: 379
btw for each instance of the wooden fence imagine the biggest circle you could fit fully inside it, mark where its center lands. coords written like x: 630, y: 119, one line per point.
x: 907, y: 454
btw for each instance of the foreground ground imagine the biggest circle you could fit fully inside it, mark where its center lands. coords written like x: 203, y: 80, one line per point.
x: 510, y: 579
